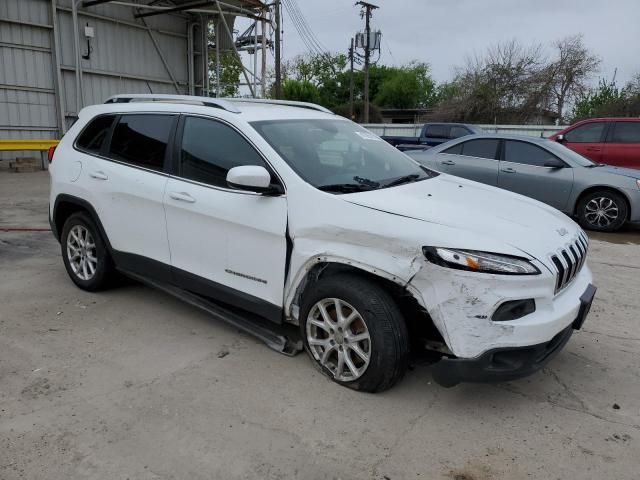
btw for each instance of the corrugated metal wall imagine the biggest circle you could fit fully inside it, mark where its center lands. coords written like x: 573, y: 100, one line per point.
x: 27, y: 94
x: 123, y: 59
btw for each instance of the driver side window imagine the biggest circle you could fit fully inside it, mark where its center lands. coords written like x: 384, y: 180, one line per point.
x: 210, y: 149
x: 589, y: 133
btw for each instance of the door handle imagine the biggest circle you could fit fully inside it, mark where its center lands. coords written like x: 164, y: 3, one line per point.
x: 99, y: 175
x: 448, y: 162
x: 508, y: 170
x: 594, y: 149
x: 182, y: 197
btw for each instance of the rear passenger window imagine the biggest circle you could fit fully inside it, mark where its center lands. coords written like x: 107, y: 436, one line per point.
x: 626, y: 132
x: 210, y: 149
x: 483, y: 148
x: 457, y: 132
x: 141, y: 140
x: 94, y: 134
x: 437, y: 131
x: 526, y: 153
x: 455, y: 150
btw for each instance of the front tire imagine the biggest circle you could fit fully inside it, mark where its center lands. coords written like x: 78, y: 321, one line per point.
x: 85, y: 254
x: 602, y: 211
x: 355, y: 333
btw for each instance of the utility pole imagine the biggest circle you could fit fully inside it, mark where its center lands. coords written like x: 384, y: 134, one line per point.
x: 278, y: 84
x: 368, y: 7
x: 351, y: 53
x: 263, y: 70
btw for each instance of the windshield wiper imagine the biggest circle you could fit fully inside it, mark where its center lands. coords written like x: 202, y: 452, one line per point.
x: 404, y: 179
x: 345, y: 187
x: 594, y: 165
x: 367, y: 182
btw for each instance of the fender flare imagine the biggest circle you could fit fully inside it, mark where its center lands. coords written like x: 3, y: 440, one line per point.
x: 80, y: 202
x: 298, y: 281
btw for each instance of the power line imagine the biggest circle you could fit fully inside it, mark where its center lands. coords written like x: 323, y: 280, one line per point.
x: 310, y: 46
x: 301, y: 25
x: 305, y: 26
x: 298, y: 27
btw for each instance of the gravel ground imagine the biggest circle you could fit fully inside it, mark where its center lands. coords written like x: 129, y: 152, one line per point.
x: 132, y: 383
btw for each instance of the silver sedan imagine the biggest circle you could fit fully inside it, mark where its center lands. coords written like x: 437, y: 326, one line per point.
x: 600, y: 196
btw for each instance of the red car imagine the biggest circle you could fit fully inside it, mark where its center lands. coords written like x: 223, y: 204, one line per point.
x: 614, y: 141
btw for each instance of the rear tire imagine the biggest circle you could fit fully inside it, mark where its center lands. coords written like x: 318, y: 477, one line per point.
x: 602, y: 211
x: 85, y: 254
x: 355, y: 333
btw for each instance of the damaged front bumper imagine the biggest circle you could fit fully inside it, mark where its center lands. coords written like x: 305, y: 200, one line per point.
x: 507, y: 364
x: 463, y: 306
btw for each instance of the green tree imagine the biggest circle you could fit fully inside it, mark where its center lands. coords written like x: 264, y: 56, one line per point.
x: 300, y: 90
x: 325, y: 72
x: 607, y: 100
x: 445, y: 92
x: 410, y: 86
x: 230, y: 70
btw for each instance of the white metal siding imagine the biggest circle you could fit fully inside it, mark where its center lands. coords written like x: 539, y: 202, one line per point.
x: 27, y: 95
x: 124, y: 59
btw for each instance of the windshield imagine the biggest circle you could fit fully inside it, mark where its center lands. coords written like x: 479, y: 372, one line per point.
x: 339, y: 155
x: 566, y: 153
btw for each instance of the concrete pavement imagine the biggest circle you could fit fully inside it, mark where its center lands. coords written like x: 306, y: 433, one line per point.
x: 132, y: 383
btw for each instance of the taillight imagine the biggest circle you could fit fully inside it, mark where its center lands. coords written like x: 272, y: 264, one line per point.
x: 50, y: 153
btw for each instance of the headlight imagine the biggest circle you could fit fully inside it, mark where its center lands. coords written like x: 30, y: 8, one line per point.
x: 480, y: 261
x: 638, y: 183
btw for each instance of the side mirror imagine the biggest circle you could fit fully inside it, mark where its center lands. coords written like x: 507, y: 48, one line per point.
x: 554, y: 163
x: 252, y: 178
x: 560, y: 138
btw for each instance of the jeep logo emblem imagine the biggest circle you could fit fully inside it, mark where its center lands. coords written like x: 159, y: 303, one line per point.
x: 562, y: 231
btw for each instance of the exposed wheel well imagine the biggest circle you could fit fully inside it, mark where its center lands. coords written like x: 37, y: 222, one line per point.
x: 418, y: 320
x: 67, y: 205
x: 589, y: 190
x: 63, y: 211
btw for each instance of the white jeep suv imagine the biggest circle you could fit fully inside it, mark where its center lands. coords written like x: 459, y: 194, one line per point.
x: 308, y: 231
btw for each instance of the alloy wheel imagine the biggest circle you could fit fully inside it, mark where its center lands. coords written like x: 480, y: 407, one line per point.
x: 339, y: 339
x: 81, y: 252
x: 601, y: 211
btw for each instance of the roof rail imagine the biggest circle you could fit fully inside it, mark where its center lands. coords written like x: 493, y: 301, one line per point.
x: 289, y: 103
x: 223, y: 104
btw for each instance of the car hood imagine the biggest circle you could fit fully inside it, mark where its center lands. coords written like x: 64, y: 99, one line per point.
x: 627, y: 172
x: 471, y: 208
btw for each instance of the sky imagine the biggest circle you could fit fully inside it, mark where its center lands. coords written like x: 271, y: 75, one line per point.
x: 444, y: 33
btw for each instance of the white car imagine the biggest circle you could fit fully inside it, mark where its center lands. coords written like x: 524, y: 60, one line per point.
x: 305, y: 229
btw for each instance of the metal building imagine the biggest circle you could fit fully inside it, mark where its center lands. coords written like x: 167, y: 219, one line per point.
x: 57, y: 56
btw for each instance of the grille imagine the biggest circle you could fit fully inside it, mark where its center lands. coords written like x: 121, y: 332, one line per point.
x: 569, y: 261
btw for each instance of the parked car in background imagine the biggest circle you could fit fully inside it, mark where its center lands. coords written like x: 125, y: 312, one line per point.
x: 293, y: 223
x: 432, y: 134
x: 601, y: 196
x: 614, y: 141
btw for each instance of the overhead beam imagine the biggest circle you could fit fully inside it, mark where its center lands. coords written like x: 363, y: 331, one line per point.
x: 119, y: 21
x: 181, y: 8
x: 157, y: 10
x: 91, y: 3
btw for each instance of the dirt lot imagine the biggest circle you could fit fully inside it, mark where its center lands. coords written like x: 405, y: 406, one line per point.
x: 131, y: 383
